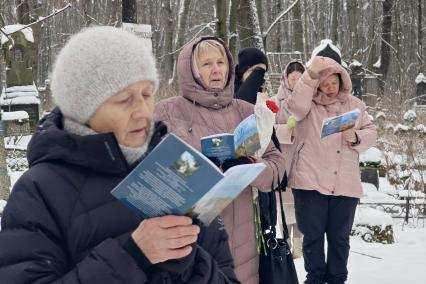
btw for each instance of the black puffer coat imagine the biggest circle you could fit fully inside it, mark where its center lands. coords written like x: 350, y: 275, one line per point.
x: 62, y: 225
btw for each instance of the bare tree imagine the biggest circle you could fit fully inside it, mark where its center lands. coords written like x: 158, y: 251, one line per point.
x: 419, y: 33
x: 334, y: 22
x: 298, y: 27
x: 233, y: 16
x: 129, y: 14
x: 352, y: 7
x: 221, y: 15
x: 385, y: 50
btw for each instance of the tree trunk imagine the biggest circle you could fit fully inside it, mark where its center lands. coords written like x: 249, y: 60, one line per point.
x: 23, y: 12
x: 129, y: 11
x: 353, y: 28
x: 182, y: 23
x: 250, y: 34
x: 334, y: 22
x: 297, y: 28
x: 385, y: 52
x: 372, y: 58
x: 306, y: 30
x: 183, y: 20
x: 168, y: 62
x: 233, y: 35
x: 221, y: 15
x: 233, y: 27
x: 419, y: 32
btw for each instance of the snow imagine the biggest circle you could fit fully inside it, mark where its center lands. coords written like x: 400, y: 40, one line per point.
x: 355, y: 63
x: 371, y: 216
x: 386, y: 187
x: 14, y: 115
x: 28, y: 32
x: 420, y: 78
x: 401, y: 262
x: 321, y: 46
x: 27, y: 88
x: 20, y: 95
x: 374, y: 263
x: 20, y: 101
x: 380, y: 114
x: 410, y: 115
x: 371, y: 155
x: 401, y: 127
x: 411, y: 193
x: 378, y: 63
x: 2, y: 205
x: 371, y: 194
x: 421, y: 128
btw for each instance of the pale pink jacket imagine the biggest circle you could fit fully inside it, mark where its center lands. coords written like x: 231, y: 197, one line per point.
x: 200, y: 112
x: 280, y: 120
x: 329, y: 165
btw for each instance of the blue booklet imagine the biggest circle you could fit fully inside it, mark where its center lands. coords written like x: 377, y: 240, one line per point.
x: 176, y: 179
x: 243, y: 142
x: 339, y: 123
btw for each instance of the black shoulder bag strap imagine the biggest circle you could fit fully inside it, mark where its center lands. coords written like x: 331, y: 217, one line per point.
x: 279, y: 188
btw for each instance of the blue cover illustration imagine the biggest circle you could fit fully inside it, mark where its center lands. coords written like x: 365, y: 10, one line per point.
x: 243, y: 142
x: 339, y: 123
x: 220, y: 146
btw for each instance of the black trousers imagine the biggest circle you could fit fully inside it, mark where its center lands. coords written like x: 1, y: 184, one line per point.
x: 318, y: 215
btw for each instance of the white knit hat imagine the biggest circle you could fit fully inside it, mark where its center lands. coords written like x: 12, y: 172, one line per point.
x: 96, y: 64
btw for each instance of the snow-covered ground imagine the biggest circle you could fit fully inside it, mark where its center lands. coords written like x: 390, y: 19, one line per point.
x: 374, y: 263
x: 401, y: 263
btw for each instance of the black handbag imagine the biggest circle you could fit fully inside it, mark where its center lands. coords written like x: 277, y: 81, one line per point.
x: 276, y: 264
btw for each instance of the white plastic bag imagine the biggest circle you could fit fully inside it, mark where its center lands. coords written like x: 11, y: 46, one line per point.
x: 265, y: 120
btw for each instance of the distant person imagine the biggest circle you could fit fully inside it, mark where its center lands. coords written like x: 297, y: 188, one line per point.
x: 61, y: 223
x: 250, y: 73
x: 285, y: 130
x: 325, y: 175
x: 205, y: 107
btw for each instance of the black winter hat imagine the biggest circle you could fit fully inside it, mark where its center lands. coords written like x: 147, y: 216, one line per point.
x: 248, y: 57
x: 329, y: 52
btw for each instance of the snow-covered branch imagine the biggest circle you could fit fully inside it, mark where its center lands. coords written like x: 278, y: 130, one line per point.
x: 41, y: 19
x: 265, y: 34
x: 208, y: 25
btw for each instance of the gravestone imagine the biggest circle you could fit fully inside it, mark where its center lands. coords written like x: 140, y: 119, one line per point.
x: 371, y: 89
x: 19, y: 53
x: 370, y: 161
x: 421, y: 89
x: 357, y: 75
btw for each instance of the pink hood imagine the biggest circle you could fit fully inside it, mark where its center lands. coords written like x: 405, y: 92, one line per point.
x: 193, y: 89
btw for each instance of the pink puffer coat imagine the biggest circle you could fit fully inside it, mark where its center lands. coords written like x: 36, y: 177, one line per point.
x: 329, y: 165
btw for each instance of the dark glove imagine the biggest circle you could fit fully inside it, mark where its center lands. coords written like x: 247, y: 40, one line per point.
x: 234, y: 162
x: 215, y: 161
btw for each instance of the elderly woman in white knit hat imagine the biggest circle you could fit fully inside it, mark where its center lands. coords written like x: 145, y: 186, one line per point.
x: 61, y: 223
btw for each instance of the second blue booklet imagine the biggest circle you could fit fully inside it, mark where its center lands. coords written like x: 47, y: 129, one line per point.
x: 176, y: 179
x: 339, y: 123
x: 243, y: 142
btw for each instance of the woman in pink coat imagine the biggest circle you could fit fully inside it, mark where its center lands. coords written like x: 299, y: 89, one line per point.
x: 286, y: 135
x: 325, y: 175
x: 206, y: 107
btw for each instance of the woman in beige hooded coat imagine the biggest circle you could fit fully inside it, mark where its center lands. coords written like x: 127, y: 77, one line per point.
x: 206, y: 106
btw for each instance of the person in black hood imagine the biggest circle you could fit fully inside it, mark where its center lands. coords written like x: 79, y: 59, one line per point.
x: 61, y: 224
x: 249, y: 74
